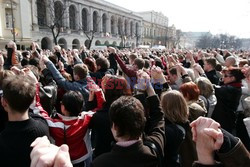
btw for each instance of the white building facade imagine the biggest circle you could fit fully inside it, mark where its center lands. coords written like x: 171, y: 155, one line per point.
x: 112, y: 24
x: 155, y: 28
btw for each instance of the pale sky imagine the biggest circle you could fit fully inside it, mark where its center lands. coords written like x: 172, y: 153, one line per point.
x: 216, y: 16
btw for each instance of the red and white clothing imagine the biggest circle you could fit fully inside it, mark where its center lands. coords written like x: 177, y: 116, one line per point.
x: 72, y: 131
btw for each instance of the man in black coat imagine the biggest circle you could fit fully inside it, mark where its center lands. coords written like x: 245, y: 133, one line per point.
x: 21, y: 130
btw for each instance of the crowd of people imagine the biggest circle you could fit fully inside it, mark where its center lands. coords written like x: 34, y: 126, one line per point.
x: 130, y: 107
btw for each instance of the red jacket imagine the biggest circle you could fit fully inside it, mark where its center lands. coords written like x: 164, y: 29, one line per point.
x: 128, y: 71
x: 72, y: 131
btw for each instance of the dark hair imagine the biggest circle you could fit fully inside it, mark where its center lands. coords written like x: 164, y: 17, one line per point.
x: 19, y: 91
x: 211, y: 61
x: 81, y: 70
x: 103, y: 63
x: 114, y: 88
x: 236, y: 72
x: 25, y: 54
x: 24, y: 62
x: 139, y: 62
x: 173, y: 71
x: 91, y: 64
x: 218, y: 67
x: 127, y: 113
x: 53, y: 59
x: 34, y: 61
x: 147, y: 63
x: 73, y: 102
x: 158, y: 62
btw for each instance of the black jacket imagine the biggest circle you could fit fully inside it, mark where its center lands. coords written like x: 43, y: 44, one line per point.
x: 212, y: 76
x: 228, y: 97
x: 138, y: 154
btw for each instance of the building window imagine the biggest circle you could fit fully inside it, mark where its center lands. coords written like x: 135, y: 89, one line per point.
x: 41, y: 12
x: 72, y: 17
x: 8, y: 18
x: 85, y: 19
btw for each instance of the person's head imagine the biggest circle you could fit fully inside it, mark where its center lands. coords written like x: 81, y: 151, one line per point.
x: 5, y: 74
x: 127, y: 118
x: 90, y: 62
x: 138, y: 63
x: 34, y: 62
x: 158, y: 62
x: 114, y: 87
x: 174, y: 106
x: 209, y: 64
x: 232, y: 74
x: 72, y: 103
x: 132, y: 57
x: 190, y: 91
x: 173, y: 75
x: 147, y: 64
x: 12, y: 45
x: 243, y: 62
x: 80, y: 72
x: 18, y: 93
x: 57, y: 48
x: 102, y: 63
x: 230, y: 61
x: 218, y: 67
x: 26, y: 54
x: 54, y: 59
x: 205, y: 86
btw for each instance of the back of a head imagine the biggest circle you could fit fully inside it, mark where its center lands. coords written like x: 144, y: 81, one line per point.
x: 19, y: 92
x: 91, y: 64
x: 147, y: 63
x: 73, y: 102
x: 205, y: 86
x: 139, y: 62
x: 158, y: 62
x: 115, y: 87
x: 81, y: 70
x: 132, y: 57
x: 127, y: 113
x: 173, y: 71
x: 211, y: 61
x: 230, y: 61
x: 5, y: 74
x: 237, y: 73
x: 190, y: 91
x: 174, y: 106
x: 102, y: 62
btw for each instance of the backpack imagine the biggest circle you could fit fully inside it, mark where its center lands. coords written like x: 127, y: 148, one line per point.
x: 154, y: 147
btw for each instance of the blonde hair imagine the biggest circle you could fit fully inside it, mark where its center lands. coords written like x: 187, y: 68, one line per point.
x: 174, y: 107
x: 205, y: 86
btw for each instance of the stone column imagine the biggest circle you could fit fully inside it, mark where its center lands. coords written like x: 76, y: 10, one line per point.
x: 116, y: 25
x: 80, y: 25
x: 66, y: 15
x: 25, y: 19
x: 77, y: 19
x: 108, y: 22
x: 34, y: 18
